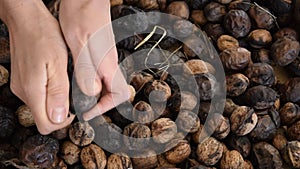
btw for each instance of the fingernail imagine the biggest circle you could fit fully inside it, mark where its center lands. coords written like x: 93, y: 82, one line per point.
x: 59, y: 115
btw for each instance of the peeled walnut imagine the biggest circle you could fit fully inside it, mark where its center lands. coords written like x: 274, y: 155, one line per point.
x: 214, y: 12
x: 146, y: 160
x: 4, y: 75
x: 279, y: 141
x: 226, y: 41
x: 163, y: 130
x: 25, y: 116
x: 262, y: 17
x: 148, y: 4
x: 235, y: 58
x: 289, y: 113
x: 232, y: 160
x: 240, y: 143
x: 210, y: 151
x: 136, y: 136
x: 81, y: 134
x: 260, y: 97
x: 39, y: 151
x: 197, y: 66
x: 180, y: 150
x: 259, y: 38
x: 188, y: 121
x: 198, y: 17
x: 293, y: 131
x: 292, y: 153
x: 182, y: 100
x: 70, y: 152
x: 285, y: 50
x: 142, y: 112
x: 139, y: 79
x: 236, y: 84
x: 243, y: 120
x: 93, y: 157
x: 237, y: 22
x: 266, y: 156
x: 119, y: 161
x: 261, y: 73
x: 158, y: 91
x: 179, y: 8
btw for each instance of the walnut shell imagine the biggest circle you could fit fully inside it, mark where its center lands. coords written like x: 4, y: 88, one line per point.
x: 93, y: 157
x: 179, y: 153
x: 81, y: 134
x: 115, y: 2
x: 226, y: 41
x: 158, y: 91
x: 188, y: 121
x: 4, y: 75
x: 146, y: 160
x: 232, y: 160
x: 139, y: 79
x: 119, y: 161
x: 25, y: 116
x: 70, y: 152
x: 136, y: 136
x: 197, y: 66
x: 210, y: 151
x: 163, y: 130
x: 143, y: 113
x: 179, y: 8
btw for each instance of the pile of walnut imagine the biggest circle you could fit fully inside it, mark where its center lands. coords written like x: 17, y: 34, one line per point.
x: 258, y: 46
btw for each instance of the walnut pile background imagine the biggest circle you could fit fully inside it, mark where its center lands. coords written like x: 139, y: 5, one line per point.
x: 258, y: 45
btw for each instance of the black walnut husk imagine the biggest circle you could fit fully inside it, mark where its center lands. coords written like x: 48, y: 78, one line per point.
x: 293, y: 131
x: 292, y: 154
x: 235, y: 58
x: 261, y: 74
x: 290, y: 92
x: 289, y: 113
x: 259, y: 38
x: 226, y: 41
x: 39, y: 151
x: 240, y: 143
x: 236, y: 84
x: 215, y: 12
x: 261, y: 17
x: 237, y: 23
x: 214, y: 30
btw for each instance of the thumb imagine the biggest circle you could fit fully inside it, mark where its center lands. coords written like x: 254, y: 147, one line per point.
x: 57, y: 93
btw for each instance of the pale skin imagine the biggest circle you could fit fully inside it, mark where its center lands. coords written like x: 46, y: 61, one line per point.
x: 39, y: 58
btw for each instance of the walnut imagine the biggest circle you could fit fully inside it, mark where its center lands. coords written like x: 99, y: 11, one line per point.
x: 139, y: 79
x: 163, y: 162
x: 136, y: 136
x: 70, y: 152
x: 146, y: 160
x: 4, y: 75
x: 235, y: 58
x: 93, y: 157
x: 259, y: 38
x: 280, y: 141
x: 132, y: 93
x: 158, y: 91
x: 179, y: 8
x: 143, y: 113
x: 182, y: 100
x: 215, y: 12
x: 199, y: 134
x: 61, y: 133
x: 180, y: 150
x: 223, y: 128
x: 163, y: 130
x: 292, y: 153
x: 198, y: 17
x: 115, y: 3
x: 81, y: 134
x: 226, y: 41
x: 188, y: 121
x: 119, y: 161
x: 236, y: 84
x: 289, y: 113
x: 210, y: 151
x: 237, y: 22
x: 25, y: 116
x: 197, y: 66
x: 232, y: 160
x: 148, y: 4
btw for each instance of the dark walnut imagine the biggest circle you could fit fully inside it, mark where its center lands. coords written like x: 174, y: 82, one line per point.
x: 223, y: 128
x: 260, y: 97
x: 286, y: 32
x: 70, y: 152
x: 290, y: 92
x: 109, y: 135
x: 239, y: 4
x: 289, y: 113
x: 214, y: 30
x: 198, y: 17
x: 93, y: 157
x: 7, y: 122
x: 183, y: 100
x: 232, y: 160
x: 193, y: 46
x: 210, y: 151
x: 119, y: 161
x: 61, y: 133
x: 226, y: 42
x: 139, y: 79
x: 25, y: 117
x: 259, y: 38
x: 148, y: 4
x: 230, y: 106
x: 265, y: 129
x: 237, y: 23
x: 146, y: 160
x: 236, y: 84
x: 292, y: 154
x: 261, y: 73
x: 243, y: 120
x: 197, y: 66
x: 183, y: 28
x: 198, y: 4
x: 179, y: 8
x: 158, y: 91
x: 4, y: 75
x: 235, y: 58
x: 188, y: 121
x: 163, y: 130
x: 39, y: 151
x: 280, y: 141
x: 206, y: 86
x: 262, y: 18
x: 295, y: 67
x: 136, y: 136
x: 179, y: 152
x: 266, y: 156
x: 285, y: 50
x: 163, y: 162
x: 240, y: 143
x: 281, y: 6
x: 215, y: 12
x: 261, y: 55
x: 293, y: 131
x: 143, y: 113
x: 81, y: 134
x: 4, y: 50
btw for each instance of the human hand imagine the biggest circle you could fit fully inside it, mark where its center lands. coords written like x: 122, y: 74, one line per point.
x: 88, y: 32
x: 38, y: 63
